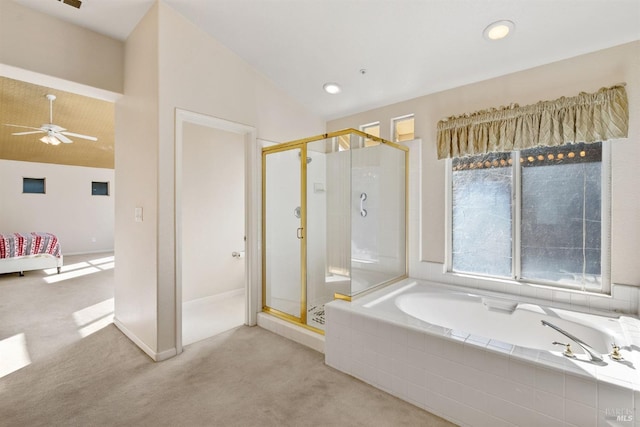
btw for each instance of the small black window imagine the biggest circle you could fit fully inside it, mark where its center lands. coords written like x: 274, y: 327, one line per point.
x: 33, y: 185
x: 99, y: 188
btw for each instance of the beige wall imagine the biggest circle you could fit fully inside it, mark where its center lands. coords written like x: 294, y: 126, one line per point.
x: 37, y: 42
x: 136, y: 160
x: 585, y: 73
x: 170, y: 64
x: 82, y: 222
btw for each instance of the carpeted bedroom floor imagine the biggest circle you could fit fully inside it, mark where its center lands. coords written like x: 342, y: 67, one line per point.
x: 243, y: 377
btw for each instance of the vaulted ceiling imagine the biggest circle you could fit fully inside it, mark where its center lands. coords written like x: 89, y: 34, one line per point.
x: 26, y: 104
x: 407, y: 48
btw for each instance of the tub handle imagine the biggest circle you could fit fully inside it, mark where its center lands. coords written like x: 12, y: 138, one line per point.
x: 567, y: 351
x: 615, y: 352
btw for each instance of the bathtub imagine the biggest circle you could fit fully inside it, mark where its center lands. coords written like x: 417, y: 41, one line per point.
x: 486, y: 359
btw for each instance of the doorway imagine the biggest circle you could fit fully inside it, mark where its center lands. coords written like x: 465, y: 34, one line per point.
x: 213, y: 226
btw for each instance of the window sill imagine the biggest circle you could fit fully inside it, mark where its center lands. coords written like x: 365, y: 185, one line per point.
x: 624, y: 301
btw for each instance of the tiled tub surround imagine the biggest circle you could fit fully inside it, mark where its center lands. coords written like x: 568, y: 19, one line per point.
x: 477, y: 380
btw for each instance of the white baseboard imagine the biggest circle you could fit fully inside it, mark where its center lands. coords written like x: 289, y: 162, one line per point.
x: 98, y: 251
x: 289, y: 330
x: 220, y: 296
x: 155, y: 356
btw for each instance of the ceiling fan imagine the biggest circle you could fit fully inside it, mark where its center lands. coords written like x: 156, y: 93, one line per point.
x: 54, y: 134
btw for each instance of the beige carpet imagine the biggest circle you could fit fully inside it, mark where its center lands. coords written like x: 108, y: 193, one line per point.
x: 48, y: 308
x: 243, y: 377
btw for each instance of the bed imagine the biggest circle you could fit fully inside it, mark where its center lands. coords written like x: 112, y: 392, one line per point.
x: 20, y: 252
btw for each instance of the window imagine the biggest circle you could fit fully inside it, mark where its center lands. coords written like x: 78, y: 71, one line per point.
x: 344, y: 142
x: 403, y: 128
x: 33, y: 185
x: 481, y: 220
x: 534, y: 215
x: 371, y: 129
x: 99, y: 188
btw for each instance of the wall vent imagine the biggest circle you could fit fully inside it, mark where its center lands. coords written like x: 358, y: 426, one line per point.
x: 74, y: 3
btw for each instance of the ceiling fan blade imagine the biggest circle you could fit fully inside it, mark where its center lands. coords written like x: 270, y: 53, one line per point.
x: 31, y: 132
x: 62, y: 138
x: 77, y: 135
x: 25, y: 127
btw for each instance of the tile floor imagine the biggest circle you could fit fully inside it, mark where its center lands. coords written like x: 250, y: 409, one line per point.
x: 209, y: 316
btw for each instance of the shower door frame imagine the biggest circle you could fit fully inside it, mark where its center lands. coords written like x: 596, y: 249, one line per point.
x: 302, y: 145
x: 302, y: 320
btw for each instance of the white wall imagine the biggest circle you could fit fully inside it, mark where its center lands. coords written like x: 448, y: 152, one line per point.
x: 212, y: 211
x: 586, y: 73
x: 82, y: 222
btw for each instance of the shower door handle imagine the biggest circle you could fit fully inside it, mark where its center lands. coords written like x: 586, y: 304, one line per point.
x: 299, y: 233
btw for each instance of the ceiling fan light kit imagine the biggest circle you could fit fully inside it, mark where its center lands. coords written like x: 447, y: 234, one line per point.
x: 54, y: 134
x: 50, y: 140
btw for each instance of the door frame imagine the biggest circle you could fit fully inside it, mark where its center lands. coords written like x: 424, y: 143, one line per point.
x: 251, y: 207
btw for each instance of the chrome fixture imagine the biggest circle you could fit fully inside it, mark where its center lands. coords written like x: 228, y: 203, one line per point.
x: 363, y: 211
x: 595, y: 357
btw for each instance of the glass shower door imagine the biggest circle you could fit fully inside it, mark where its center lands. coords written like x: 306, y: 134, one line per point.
x: 283, y: 232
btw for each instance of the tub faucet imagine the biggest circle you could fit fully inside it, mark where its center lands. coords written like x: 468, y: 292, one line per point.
x: 595, y: 357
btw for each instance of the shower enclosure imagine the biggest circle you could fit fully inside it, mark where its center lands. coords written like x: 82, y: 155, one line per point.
x: 334, y: 221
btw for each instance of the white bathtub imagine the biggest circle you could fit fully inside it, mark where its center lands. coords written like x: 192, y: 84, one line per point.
x: 486, y: 359
x: 502, y: 320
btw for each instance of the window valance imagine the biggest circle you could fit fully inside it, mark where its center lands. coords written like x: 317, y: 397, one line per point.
x: 588, y: 117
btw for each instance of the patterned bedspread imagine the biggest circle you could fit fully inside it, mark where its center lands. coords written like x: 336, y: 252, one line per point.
x: 26, y: 244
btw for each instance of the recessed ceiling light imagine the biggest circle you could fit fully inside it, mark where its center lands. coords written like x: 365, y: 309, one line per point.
x: 332, y: 88
x: 498, y: 30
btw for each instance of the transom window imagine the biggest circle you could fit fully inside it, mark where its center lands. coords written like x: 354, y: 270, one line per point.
x: 403, y: 128
x: 371, y: 129
x: 536, y: 215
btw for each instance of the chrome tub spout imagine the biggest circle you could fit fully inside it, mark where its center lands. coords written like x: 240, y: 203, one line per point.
x: 595, y: 356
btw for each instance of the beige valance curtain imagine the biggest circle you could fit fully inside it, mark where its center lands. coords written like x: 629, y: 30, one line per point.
x: 588, y: 117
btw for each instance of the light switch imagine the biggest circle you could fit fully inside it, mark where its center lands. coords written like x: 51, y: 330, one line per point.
x: 138, y: 214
